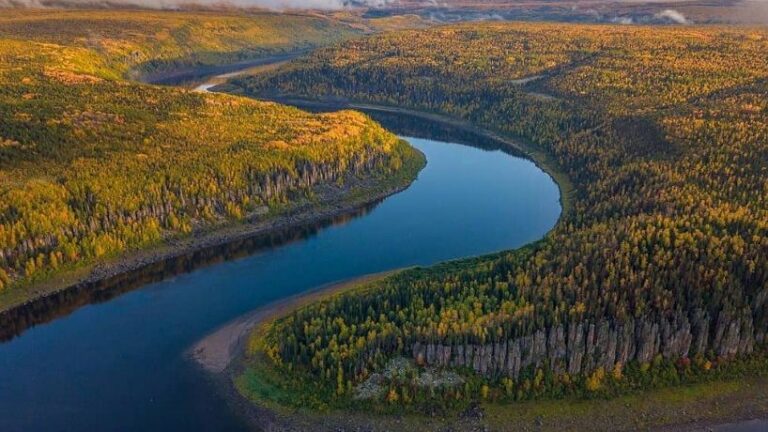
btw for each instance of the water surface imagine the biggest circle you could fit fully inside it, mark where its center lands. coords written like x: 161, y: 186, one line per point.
x: 119, y: 365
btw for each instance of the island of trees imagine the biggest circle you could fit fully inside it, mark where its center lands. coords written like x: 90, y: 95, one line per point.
x: 93, y: 165
x: 656, y: 274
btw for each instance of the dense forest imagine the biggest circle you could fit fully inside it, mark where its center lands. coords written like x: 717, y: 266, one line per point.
x: 92, y: 165
x: 657, y: 274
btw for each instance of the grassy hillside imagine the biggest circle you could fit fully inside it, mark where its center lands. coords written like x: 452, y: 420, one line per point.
x: 92, y: 166
x: 659, y: 273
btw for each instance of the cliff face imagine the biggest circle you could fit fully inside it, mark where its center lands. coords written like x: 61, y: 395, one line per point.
x: 582, y: 347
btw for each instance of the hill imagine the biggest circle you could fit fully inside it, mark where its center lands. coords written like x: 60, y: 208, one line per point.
x: 151, y: 42
x: 93, y: 166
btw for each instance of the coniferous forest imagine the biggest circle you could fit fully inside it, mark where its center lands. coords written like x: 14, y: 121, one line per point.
x: 144, y: 142
x: 657, y: 272
x: 93, y: 165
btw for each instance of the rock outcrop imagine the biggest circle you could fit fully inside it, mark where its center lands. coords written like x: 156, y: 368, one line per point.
x: 582, y: 347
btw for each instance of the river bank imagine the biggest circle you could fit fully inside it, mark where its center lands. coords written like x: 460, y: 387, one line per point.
x: 459, y: 206
x: 722, y: 405
x: 24, y: 308
x: 215, y: 352
x: 32, y: 301
x: 540, y: 158
x: 250, y: 69
x: 735, y: 405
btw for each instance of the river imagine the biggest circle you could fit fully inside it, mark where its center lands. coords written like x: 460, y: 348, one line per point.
x: 120, y: 364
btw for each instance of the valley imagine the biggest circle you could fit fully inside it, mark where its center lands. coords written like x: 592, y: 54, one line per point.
x: 409, y: 216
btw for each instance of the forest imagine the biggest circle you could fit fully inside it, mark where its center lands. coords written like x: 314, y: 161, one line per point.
x: 658, y: 272
x: 136, y: 43
x: 93, y: 165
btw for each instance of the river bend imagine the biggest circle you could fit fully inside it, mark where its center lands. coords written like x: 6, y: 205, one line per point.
x: 119, y: 365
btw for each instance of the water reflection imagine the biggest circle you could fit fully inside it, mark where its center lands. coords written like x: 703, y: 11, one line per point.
x: 64, y: 302
x: 418, y: 127
x: 120, y: 364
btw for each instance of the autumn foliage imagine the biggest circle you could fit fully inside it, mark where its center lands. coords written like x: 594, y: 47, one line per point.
x: 663, y: 257
x: 93, y: 165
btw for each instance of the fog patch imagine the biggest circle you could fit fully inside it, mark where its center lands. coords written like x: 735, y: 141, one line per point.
x: 673, y: 16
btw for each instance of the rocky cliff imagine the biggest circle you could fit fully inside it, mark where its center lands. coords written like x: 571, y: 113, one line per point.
x: 582, y: 347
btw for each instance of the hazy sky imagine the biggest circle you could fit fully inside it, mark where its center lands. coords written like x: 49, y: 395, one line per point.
x: 172, y: 4
x: 755, y: 11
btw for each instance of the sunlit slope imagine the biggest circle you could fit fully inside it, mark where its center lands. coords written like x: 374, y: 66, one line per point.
x: 157, y: 41
x: 657, y: 275
x: 92, y: 165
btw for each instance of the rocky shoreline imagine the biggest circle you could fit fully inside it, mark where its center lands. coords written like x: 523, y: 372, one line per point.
x: 581, y: 348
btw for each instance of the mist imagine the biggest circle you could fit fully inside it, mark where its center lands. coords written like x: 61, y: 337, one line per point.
x: 672, y: 15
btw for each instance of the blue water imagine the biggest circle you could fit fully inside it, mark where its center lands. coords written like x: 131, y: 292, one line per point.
x: 119, y: 365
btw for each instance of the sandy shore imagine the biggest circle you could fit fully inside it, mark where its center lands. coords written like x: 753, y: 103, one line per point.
x: 216, y: 351
x: 215, y: 80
